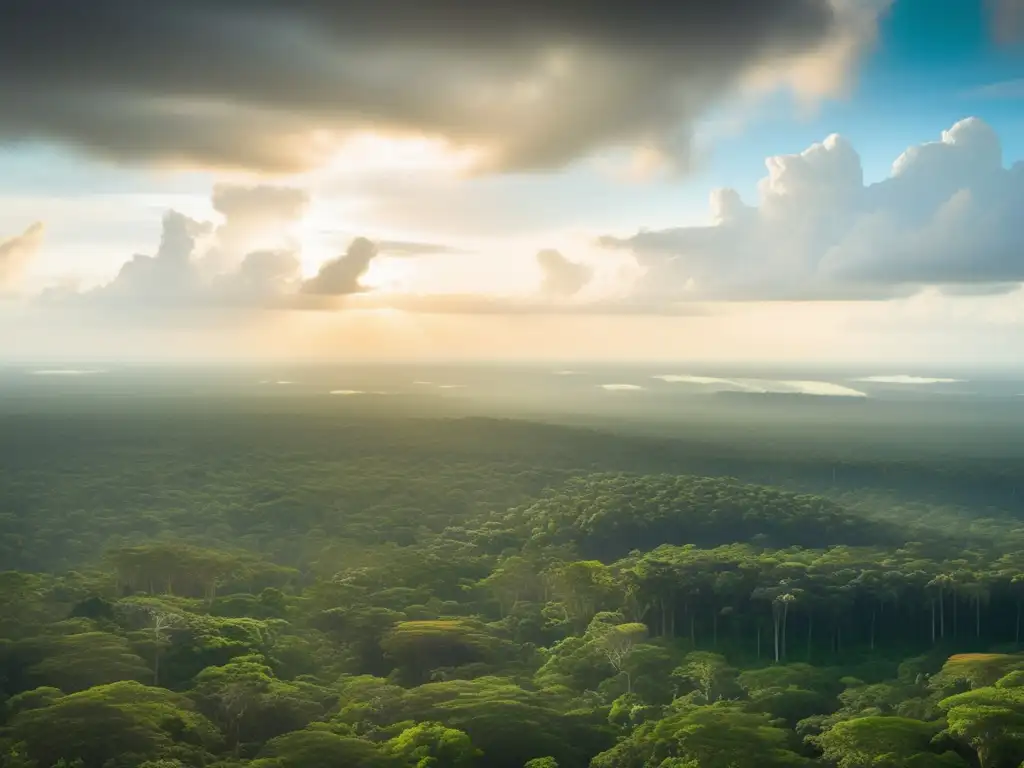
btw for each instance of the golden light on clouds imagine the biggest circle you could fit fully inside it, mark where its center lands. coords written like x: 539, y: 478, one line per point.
x: 370, y: 153
x: 824, y: 70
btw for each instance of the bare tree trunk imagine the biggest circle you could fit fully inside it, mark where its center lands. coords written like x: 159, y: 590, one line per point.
x: 785, y: 621
x: 933, y: 620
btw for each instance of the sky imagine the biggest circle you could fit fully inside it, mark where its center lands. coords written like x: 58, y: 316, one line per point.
x: 736, y: 180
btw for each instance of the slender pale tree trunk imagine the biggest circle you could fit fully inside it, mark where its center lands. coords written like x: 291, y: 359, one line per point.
x: 776, y: 618
x: 785, y: 621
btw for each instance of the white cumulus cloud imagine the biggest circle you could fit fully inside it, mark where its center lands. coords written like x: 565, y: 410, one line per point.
x: 203, y: 265
x: 948, y: 216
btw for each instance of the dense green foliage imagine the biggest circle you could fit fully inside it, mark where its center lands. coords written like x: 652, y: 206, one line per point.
x: 233, y: 591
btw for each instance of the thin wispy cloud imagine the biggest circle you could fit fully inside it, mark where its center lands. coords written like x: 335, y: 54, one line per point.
x: 1005, y: 89
x: 62, y: 372
x: 763, y: 386
x: 907, y: 379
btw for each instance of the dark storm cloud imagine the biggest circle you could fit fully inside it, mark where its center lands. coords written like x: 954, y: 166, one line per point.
x: 265, y: 84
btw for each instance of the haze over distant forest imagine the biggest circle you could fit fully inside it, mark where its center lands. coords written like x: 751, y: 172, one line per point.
x: 510, y: 566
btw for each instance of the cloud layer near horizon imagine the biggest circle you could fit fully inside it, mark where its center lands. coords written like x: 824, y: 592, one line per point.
x: 272, y: 85
x: 949, y: 215
x: 248, y: 261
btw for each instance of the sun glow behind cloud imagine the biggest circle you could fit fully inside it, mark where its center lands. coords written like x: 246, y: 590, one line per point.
x: 552, y: 292
x: 390, y: 275
x: 367, y: 153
